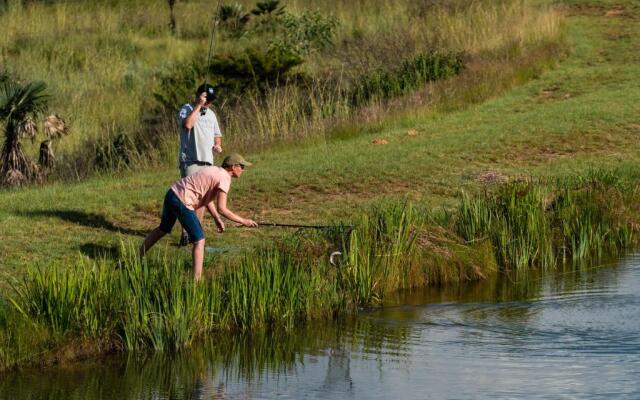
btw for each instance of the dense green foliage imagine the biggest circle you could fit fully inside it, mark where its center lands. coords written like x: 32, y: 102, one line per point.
x: 412, y: 74
x: 533, y: 225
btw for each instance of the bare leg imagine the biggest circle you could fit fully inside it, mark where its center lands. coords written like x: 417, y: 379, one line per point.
x: 198, y: 258
x: 150, y: 240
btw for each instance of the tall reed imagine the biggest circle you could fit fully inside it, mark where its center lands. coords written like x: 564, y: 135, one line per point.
x: 156, y: 304
x: 538, y: 225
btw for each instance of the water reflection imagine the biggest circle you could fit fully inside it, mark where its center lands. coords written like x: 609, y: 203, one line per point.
x: 572, y: 333
x: 216, y: 364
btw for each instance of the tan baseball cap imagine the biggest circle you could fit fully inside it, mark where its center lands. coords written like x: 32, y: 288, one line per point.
x: 233, y: 159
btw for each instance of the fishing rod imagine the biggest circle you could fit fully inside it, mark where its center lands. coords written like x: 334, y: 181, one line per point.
x: 276, y: 225
x: 211, y: 42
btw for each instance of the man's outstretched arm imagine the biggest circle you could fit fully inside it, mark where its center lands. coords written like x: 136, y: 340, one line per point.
x: 225, y: 212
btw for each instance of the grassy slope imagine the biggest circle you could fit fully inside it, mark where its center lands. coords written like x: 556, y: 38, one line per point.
x: 583, y: 113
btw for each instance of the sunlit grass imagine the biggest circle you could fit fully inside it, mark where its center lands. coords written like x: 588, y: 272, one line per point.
x: 100, y: 60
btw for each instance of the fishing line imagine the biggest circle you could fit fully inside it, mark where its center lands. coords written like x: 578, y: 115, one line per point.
x: 276, y: 225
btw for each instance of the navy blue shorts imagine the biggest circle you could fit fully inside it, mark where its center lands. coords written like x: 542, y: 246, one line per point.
x: 173, y: 209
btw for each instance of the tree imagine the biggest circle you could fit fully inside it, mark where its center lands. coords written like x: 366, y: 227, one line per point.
x: 20, y: 105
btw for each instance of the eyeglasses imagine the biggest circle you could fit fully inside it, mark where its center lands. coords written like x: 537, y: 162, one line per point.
x: 241, y: 166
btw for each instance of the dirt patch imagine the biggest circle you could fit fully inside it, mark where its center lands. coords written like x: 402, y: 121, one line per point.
x: 538, y: 154
x: 546, y: 93
x: 490, y: 177
x: 553, y: 93
x: 593, y: 10
x: 379, y: 141
x: 614, y: 13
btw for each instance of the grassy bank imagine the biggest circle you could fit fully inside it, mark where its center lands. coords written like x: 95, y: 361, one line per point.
x: 126, y: 304
x: 576, y: 117
x: 340, y: 62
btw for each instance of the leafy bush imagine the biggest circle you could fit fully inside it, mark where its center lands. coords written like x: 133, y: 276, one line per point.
x: 179, y: 85
x: 385, y: 84
x: 233, y: 75
x: 285, y: 33
x: 252, y: 71
x: 302, y: 34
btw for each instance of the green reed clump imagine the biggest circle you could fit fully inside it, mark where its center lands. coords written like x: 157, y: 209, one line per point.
x: 536, y: 225
x: 156, y: 303
x: 20, y: 338
x: 79, y: 301
x: 274, y: 289
x: 380, y: 253
x: 136, y: 305
x: 383, y: 84
x: 163, y: 308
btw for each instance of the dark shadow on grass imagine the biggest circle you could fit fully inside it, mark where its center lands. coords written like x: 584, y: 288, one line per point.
x: 91, y: 220
x: 97, y: 251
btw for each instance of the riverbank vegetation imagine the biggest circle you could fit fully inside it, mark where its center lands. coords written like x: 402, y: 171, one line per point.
x: 117, y: 71
x: 125, y: 304
x: 463, y: 188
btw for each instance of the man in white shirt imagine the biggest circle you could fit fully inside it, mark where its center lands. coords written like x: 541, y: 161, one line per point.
x: 200, y: 138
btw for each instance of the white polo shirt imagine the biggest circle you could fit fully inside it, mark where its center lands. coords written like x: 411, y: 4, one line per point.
x: 196, y: 144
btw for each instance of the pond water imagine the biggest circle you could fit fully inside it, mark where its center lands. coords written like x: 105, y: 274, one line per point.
x: 572, y: 333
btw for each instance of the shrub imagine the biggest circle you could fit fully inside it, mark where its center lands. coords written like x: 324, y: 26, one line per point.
x: 117, y: 153
x: 413, y: 73
x: 300, y: 35
x: 234, y: 75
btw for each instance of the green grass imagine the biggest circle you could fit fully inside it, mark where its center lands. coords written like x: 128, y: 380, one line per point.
x: 102, y: 76
x: 524, y: 132
x: 577, y: 116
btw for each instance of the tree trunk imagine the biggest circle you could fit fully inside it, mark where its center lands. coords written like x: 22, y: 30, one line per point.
x: 172, y: 17
x: 47, y: 159
x: 15, y: 167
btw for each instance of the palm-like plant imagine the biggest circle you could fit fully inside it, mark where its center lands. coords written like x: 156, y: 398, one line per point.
x: 268, y: 7
x: 54, y: 128
x: 233, y: 18
x: 19, y: 106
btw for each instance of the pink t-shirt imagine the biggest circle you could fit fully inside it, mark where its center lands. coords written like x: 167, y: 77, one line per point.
x: 199, y: 189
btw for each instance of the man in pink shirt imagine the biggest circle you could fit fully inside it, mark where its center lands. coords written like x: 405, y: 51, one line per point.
x: 193, y: 192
